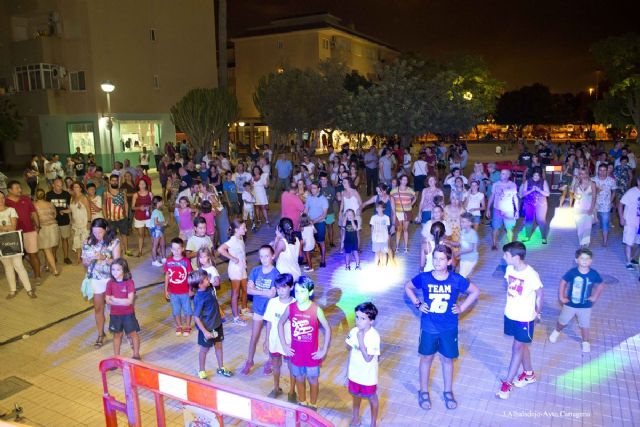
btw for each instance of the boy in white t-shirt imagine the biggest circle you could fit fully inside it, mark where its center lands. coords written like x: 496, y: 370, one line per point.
x: 272, y: 345
x: 524, y: 305
x: 362, y: 372
x: 380, y: 234
x: 198, y: 240
x: 248, y: 200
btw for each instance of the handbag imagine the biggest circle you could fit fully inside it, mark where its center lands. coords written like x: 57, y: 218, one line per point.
x: 85, y: 287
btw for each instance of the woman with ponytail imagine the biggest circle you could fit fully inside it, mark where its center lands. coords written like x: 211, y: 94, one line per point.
x: 287, y: 249
x: 434, y: 232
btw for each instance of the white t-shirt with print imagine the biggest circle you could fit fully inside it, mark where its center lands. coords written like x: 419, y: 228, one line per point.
x: 380, y: 228
x: 473, y: 202
x: 360, y: 371
x: 631, y: 202
x: 272, y: 314
x: 521, y: 293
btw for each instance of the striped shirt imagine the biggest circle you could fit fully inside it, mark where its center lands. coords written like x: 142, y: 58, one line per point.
x: 402, y: 199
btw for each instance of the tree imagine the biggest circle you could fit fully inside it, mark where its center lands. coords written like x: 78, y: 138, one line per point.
x: 204, y: 115
x: 527, y: 105
x: 354, y: 81
x: 619, y: 57
x: 295, y: 101
x: 10, y: 121
x: 222, y: 62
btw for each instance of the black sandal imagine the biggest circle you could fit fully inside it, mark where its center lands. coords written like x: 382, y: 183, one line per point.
x: 99, y: 342
x: 449, y: 401
x: 424, y: 401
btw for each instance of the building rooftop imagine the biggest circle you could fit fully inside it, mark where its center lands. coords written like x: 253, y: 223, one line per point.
x: 308, y: 22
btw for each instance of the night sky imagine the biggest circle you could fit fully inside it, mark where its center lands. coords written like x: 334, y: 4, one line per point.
x: 524, y: 42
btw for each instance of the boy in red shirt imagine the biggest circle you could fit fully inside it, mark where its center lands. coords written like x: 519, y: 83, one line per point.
x: 305, y: 317
x: 176, y: 287
x: 120, y: 294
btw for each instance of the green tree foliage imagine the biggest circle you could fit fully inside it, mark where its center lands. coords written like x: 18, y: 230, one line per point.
x: 294, y: 100
x: 204, y: 115
x: 619, y: 57
x: 10, y: 122
x: 416, y: 96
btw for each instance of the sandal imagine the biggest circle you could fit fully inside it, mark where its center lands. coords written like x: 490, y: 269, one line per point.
x: 449, y: 401
x: 424, y: 401
x: 99, y: 342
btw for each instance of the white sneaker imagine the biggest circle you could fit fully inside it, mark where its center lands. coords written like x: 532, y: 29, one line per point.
x: 554, y: 336
x: 163, y: 260
x: 239, y: 322
x: 586, y: 347
x: 156, y: 263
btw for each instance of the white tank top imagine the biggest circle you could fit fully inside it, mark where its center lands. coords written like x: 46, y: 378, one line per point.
x: 350, y: 203
x: 288, y: 259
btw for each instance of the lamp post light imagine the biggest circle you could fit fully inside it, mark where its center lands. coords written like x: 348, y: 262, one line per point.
x: 590, y: 91
x: 108, y: 87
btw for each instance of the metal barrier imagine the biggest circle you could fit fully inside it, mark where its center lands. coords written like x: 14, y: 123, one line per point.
x: 221, y: 400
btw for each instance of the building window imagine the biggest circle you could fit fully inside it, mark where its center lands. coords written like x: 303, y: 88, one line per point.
x: 37, y: 77
x: 279, y: 44
x: 81, y: 135
x: 77, y: 81
x: 156, y: 82
x: 152, y: 34
x: 325, y: 44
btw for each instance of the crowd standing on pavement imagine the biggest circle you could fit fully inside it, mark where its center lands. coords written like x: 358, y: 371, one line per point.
x: 205, y: 205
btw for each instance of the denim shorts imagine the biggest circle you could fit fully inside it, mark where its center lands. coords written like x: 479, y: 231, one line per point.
x: 498, y: 220
x: 603, y: 219
x: 305, y: 371
x: 180, y: 303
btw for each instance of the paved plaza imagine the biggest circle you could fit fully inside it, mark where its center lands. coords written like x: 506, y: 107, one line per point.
x: 601, y: 388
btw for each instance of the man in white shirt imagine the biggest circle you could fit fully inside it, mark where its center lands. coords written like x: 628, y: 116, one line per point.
x: 629, y: 214
x: 504, y: 201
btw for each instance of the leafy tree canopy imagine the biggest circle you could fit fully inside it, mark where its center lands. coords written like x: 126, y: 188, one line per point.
x: 204, y: 115
x: 10, y: 121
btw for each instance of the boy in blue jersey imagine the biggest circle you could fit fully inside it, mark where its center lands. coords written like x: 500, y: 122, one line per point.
x: 439, y: 320
x: 580, y: 288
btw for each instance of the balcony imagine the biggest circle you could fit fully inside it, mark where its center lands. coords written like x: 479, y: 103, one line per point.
x: 43, y: 49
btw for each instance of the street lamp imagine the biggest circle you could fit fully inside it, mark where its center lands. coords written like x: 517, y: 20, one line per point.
x: 590, y: 91
x: 108, y: 87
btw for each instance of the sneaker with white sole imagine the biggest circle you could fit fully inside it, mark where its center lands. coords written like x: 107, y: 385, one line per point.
x: 554, y: 336
x: 239, y: 322
x: 525, y: 379
x: 586, y: 347
x: 505, y: 390
x: 156, y: 264
x: 307, y: 269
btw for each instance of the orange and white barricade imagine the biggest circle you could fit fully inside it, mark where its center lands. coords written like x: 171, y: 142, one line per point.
x: 221, y: 400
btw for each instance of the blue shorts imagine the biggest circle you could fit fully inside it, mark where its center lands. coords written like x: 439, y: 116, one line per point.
x: 476, y: 219
x: 180, y: 303
x: 123, y: 322
x: 156, y: 232
x: 603, y: 219
x: 520, y: 331
x: 498, y: 220
x: 305, y: 371
x: 426, y: 216
x: 445, y: 343
x: 203, y: 342
x: 330, y: 219
x: 321, y: 231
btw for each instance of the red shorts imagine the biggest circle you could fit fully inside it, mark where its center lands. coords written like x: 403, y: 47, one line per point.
x: 362, y: 390
x: 278, y: 355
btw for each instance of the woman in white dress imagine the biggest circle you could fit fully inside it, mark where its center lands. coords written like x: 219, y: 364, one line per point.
x: 234, y: 250
x: 350, y: 200
x: 584, y: 194
x: 287, y: 249
x: 260, y: 181
x: 80, y: 218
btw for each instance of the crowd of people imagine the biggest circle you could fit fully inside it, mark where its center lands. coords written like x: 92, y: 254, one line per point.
x: 210, y: 203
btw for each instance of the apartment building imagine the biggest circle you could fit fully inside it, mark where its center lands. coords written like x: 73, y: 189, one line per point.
x: 300, y: 42
x: 54, y: 55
